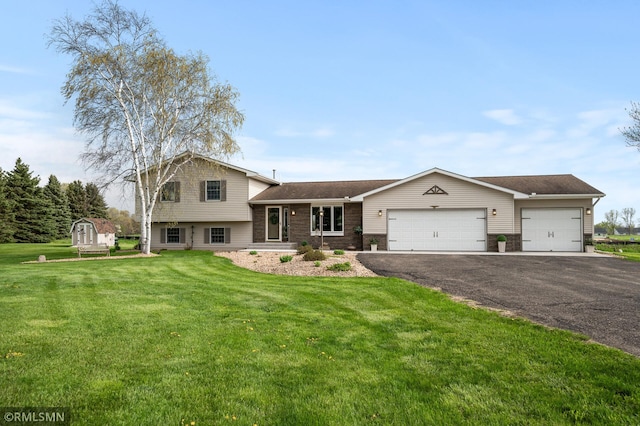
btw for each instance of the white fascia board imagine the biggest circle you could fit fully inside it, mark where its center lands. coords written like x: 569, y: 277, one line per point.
x: 249, y: 173
x: 562, y: 196
x: 516, y: 194
x: 317, y: 201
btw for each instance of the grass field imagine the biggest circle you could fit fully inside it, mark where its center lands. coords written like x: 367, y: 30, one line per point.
x: 188, y: 337
x: 630, y: 250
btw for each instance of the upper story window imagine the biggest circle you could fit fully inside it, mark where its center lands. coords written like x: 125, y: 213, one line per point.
x: 170, y: 192
x: 331, y: 219
x: 213, y: 190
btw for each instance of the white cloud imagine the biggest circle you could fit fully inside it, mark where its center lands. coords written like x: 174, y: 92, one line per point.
x: 504, y: 116
x: 14, y: 70
x: 319, y: 133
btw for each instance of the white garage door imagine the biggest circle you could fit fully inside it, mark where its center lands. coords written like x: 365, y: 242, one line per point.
x: 551, y: 230
x: 444, y: 230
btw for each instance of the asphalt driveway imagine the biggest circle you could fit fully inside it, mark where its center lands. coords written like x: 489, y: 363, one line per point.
x: 595, y: 296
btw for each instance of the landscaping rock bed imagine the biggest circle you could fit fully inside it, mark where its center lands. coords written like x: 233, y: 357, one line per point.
x: 269, y: 262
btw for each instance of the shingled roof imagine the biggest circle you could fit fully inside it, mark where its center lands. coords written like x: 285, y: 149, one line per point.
x: 103, y: 226
x: 566, y: 184
x: 543, y: 184
x: 320, y: 190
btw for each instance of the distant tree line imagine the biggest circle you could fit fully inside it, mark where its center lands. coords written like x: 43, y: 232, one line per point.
x: 33, y: 214
x: 614, y: 219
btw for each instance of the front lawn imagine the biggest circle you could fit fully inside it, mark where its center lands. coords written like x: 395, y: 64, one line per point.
x: 189, y: 337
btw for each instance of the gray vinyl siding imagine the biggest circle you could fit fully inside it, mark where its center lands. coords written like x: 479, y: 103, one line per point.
x: 461, y: 195
x: 241, y: 234
x: 232, y: 207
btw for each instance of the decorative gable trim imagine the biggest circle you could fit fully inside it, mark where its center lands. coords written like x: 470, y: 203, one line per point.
x: 435, y: 190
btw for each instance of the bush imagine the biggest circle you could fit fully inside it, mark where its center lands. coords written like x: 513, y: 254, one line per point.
x: 501, y: 238
x: 304, y: 249
x: 339, y: 252
x: 286, y: 258
x: 314, y: 255
x: 317, y: 263
x: 253, y: 252
x: 304, y: 243
x: 346, y: 266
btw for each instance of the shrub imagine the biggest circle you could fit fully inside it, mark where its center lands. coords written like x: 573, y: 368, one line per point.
x: 286, y: 258
x: 314, y: 255
x: 339, y: 252
x: 317, y: 263
x: 501, y: 238
x: 253, y: 252
x: 304, y: 249
x: 346, y: 266
x: 304, y: 243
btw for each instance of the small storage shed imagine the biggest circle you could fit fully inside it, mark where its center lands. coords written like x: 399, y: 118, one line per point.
x: 90, y: 231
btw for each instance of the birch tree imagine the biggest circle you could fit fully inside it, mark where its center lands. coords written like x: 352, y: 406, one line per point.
x: 145, y: 110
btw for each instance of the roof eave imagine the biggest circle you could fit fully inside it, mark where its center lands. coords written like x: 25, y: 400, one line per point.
x: 516, y: 194
x: 305, y: 201
x: 560, y: 196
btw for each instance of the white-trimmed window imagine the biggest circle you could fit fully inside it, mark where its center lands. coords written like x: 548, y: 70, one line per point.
x: 213, y: 190
x: 217, y: 235
x: 170, y: 192
x: 172, y: 235
x: 331, y: 218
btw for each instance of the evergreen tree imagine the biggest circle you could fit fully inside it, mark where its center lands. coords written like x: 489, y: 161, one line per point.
x: 77, y: 197
x: 7, y: 218
x: 60, y: 207
x: 97, y: 206
x: 34, y: 222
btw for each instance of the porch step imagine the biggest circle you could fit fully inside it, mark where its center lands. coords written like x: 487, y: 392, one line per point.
x: 272, y: 246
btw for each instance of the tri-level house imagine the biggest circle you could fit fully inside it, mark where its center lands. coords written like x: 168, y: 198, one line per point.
x: 217, y: 206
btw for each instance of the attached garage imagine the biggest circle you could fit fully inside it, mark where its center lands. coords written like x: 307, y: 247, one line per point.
x: 437, y: 230
x: 552, y: 229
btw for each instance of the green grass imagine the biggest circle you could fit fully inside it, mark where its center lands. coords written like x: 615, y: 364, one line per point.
x: 187, y: 336
x: 630, y: 250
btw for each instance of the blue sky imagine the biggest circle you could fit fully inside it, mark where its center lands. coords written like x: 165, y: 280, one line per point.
x: 371, y: 89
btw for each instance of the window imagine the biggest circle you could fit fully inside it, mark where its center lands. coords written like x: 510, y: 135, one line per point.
x: 213, y: 190
x: 332, y: 219
x: 173, y: 235
x: 170, y: 192
x: 217, y: 236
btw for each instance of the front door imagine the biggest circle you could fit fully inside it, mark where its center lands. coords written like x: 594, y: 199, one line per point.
x: 274, y: 223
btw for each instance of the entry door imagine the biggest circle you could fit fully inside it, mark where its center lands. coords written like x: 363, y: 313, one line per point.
x: 85, y: 234
x: 274, y: 223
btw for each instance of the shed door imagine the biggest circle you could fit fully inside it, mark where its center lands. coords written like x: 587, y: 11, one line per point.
x: 438, y: 230
x: 552, y: 230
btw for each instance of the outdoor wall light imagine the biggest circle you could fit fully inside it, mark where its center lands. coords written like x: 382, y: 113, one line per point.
x: 494, y: 212
x: 293, y: 212
x: 588, y: 211
x: 380, y: 213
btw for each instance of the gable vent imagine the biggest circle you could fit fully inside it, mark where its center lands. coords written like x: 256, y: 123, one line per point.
x: 435, y: 189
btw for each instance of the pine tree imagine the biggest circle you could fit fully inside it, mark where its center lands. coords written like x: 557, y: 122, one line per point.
x: 7, y: 218
x: 97, y: 204
x: 34, y: 222
x: 60, y: 207
x: 77, y: 197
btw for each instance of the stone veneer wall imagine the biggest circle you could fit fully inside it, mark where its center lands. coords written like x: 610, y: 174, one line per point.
x: 300, y: 224
x: 382, y: 241
x: 514, y: 242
